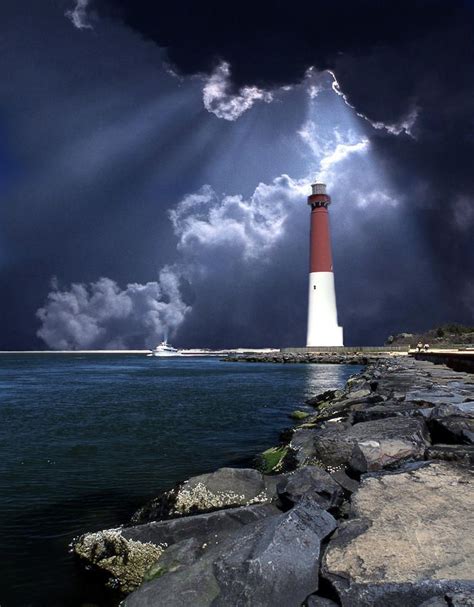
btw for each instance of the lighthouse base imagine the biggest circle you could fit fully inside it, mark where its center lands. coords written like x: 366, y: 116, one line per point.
x: 323, y: 329
x: 327, y: 336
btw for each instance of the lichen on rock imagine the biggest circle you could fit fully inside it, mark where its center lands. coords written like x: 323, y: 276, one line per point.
x: 124, y: 561
x: 200, y: 498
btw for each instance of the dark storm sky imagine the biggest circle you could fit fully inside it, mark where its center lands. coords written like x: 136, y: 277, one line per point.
x: 155, y: 160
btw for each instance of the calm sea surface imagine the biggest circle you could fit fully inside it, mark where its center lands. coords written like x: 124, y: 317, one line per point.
x: 85, y: 440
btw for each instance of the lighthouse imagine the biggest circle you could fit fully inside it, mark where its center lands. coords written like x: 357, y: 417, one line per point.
x: 323, y: 329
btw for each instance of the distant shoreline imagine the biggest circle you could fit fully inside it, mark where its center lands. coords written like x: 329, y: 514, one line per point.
x: 186, y: 353
x: 74, y: 351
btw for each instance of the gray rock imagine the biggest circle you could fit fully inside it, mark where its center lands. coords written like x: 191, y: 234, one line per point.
x: 410, y: 538
x: 203, y: 527
x: 345, y: 481
x: 318, y: 601
x: 302, y: 446
x: 436, y: 601
x: 460, y: 599
x: 451, y: 453
x: 463, y: 409
x: 173, y: 558
x: 272, y: 562
x: 389, y: 409
x: 126, y: 555
x: 433, y: 396
x: 380, y: 443
x: 452, y: 429
x: 225, y: 488
x: 324, y: 396
x: 451, y: 599
x: 311, y: 481
x: 361, y: 393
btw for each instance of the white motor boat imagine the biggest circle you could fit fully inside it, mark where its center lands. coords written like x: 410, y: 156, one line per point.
x: 164, y: 349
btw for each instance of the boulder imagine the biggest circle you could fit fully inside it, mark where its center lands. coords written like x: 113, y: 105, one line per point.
x: 123, y: 562
x: 324, y: 396
x: 360, y: 393
x: 410, y: 538
x: 460, y: 599
x: 185, y: 552
x: 346, y: 482
x: 451, y: 453
x: 433, y: 395
x: 311, y: 481
x: 203, y: 527
x: 125, y: 555
x: 272, y: 562
x: 370, y: 455
x: 319, y: 601
x: 302, y: 447
x: 435, y: 601
x: 452, y: 429
x: 299, y: 415
x: 275, y: 459
x: 465, y: 409
x: 451, y: 599
x: 388, y: 409
x: 225, y: 488
x: 380, y: 443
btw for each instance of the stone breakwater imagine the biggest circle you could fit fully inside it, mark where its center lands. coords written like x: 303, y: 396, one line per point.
x: 357, y: 358
x: 368, y: 502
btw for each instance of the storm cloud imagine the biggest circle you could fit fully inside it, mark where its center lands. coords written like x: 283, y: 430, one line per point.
x: 101, y: 315
x: 134, y: 141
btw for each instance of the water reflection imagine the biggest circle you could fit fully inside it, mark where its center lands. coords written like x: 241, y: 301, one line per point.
x: 319, y: 378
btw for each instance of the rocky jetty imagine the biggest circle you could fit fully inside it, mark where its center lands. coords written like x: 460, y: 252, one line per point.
x: 369, y: 502
x: 327, y: 358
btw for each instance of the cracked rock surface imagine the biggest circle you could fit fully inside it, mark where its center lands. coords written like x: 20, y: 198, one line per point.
x: 405, y: 528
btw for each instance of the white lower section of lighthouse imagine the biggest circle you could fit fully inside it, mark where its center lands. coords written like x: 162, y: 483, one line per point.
x: 323, y: 329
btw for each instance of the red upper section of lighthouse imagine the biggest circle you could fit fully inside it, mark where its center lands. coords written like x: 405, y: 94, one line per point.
x: 320, y: 240
x: 319, y: 200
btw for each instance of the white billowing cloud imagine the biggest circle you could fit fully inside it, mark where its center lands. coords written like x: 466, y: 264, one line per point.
x: 220, y: 101
x: 343, y: 160
x: 333, y: 151
x: 204, y: 220
x: 250, y: 227
x: 382, y: 197
x: 102, y: 315
x: 340, y: 153
x: 78, y: 15
x: 405, y: 124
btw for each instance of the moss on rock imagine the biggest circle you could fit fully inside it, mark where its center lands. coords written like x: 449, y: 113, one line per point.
x: 271, y: 460
x: 299, y: 415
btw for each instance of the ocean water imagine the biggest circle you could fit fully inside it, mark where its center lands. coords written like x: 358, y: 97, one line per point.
x: 85, y: 440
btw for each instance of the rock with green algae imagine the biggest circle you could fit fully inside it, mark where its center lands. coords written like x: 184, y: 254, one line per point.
x: 173, y: 558
x: 271, y: 460
x: 299, y: 414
